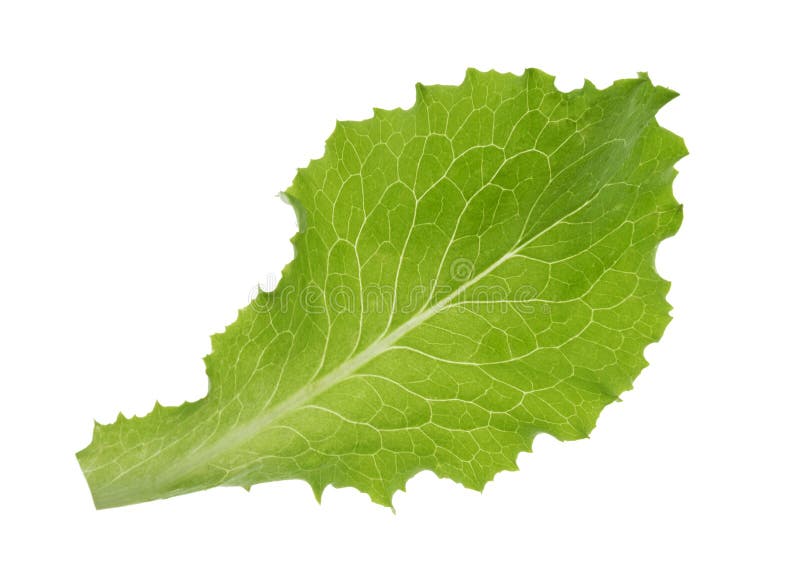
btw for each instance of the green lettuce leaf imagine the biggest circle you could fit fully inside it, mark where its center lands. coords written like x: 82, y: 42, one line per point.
x: 468, y: 273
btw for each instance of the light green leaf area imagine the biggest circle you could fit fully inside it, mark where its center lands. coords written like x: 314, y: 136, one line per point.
x: 468, y: 273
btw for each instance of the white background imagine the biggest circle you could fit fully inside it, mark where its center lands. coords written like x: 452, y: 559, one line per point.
x: 142, y: 145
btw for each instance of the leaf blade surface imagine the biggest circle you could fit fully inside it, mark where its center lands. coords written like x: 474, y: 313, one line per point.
x: 468, y: 273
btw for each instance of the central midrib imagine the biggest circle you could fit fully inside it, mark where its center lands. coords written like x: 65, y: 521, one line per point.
x: 248, y: 430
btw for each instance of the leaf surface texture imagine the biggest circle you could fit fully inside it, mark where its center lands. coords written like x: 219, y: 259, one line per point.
x: 468, y: 273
